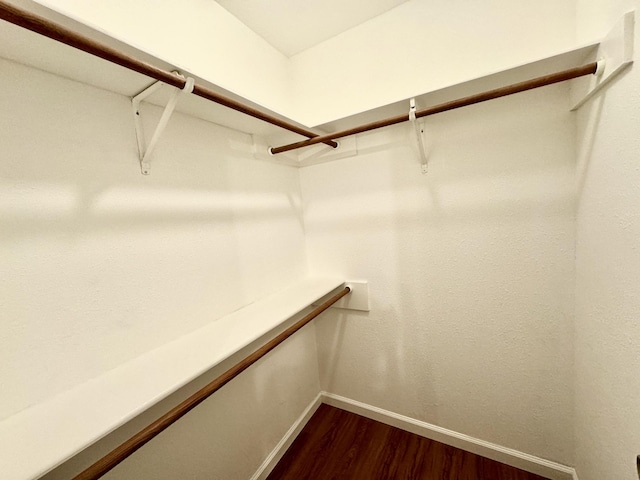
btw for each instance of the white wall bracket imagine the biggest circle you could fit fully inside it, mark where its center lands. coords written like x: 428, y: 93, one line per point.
x: 358, y: 299
x: 615, y: 54
x: 419, y: 131
x: 144, y: 152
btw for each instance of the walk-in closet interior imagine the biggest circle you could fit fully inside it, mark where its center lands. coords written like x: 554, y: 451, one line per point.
x: 220, y: 220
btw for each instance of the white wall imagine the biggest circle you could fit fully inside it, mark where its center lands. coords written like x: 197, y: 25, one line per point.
x: 424, y: 45
x: 100, y: 263
x: 471, y: 271
x: 608, y: 261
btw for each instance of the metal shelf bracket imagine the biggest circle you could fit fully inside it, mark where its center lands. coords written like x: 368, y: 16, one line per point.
x: 144, y: 152
x: 419, y: 131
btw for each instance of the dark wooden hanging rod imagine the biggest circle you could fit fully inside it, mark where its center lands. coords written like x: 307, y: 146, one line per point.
x: 452, y: 105
x: 60, y: 33
x: 113, y: 458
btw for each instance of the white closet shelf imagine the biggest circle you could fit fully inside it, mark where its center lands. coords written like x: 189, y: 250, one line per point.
x: 567, y: 59
x: 38, y: 439
x: 25, y: 47
x: 33, y: 50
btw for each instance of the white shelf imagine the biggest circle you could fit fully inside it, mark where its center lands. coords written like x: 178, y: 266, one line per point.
x: 42, y: 437
x: 31, y: 49
x: 517, y: 73
x: 28, y: 48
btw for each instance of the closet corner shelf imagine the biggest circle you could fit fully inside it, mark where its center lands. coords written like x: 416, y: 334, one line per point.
x: 36, y: 440
x: 25, y: 47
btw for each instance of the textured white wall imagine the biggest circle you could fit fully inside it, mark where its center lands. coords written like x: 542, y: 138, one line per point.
x: 608, y: 261
x: 423, y: 45
x: 471, y: 272
x: 100, y: 263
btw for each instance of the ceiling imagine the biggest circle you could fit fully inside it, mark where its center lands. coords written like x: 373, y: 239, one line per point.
x: 292, y: 26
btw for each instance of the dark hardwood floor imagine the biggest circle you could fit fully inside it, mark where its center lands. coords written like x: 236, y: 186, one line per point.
x: 336, y: 444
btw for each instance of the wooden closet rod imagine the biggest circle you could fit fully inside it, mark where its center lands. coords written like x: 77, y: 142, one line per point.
x: 452, y: 105
x: 120, y: 453
x: 43, y: 26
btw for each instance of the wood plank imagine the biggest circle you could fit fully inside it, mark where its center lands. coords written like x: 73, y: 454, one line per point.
x: 336, y: 444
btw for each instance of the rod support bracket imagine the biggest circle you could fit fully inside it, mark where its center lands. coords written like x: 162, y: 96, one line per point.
x: 144, y: 152
x: 419, y: 131
x: 615, y: 54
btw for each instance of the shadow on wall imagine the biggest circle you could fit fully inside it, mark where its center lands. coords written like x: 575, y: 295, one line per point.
x: 74, y: 188
x: 103, y: 263
x: 586, y: 143
x: 392, y: 363
x: 589, y: 131
x: 334, y: 324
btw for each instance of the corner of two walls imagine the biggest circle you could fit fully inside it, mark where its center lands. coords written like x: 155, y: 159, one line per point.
x: 471, y: 271
x: 607, y: 263
x: 471, y: 267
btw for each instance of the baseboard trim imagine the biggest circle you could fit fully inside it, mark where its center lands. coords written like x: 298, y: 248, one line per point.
x: 515, y: 458
x: 277, y: 453
x: 524, y: 461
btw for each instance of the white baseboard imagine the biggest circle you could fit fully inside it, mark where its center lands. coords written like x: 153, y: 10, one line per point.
x: 277, y: 453
x: 523, y: 461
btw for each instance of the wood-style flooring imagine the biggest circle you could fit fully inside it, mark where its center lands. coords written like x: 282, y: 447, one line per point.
x: 338, y: 445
